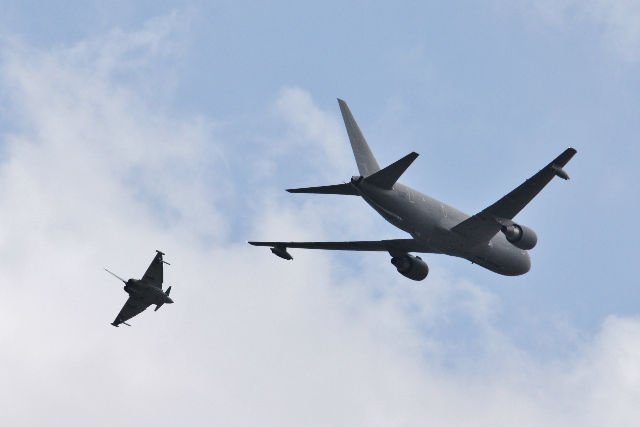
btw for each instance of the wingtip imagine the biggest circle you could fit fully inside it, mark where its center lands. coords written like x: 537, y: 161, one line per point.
x: 564, y: 158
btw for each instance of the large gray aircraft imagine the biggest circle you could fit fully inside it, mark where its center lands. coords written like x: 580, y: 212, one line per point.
x: 143, y: 292
x: 489, y: 238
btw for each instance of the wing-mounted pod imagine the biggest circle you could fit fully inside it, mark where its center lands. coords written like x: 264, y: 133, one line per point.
x: 411, y: 266
x: 159, y: 256
x: 118, y: 324
x: 281, y: 251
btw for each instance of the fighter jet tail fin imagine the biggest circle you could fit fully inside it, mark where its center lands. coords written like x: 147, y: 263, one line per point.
x: 365, y: 160
x: 385, y: 178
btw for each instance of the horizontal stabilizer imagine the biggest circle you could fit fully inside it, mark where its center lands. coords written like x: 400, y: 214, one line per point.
x: 345, y: 189
x: 385, y: 178
x: 281, y: 251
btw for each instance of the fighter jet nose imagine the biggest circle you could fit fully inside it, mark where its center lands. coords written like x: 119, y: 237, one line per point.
x: 169, y: 300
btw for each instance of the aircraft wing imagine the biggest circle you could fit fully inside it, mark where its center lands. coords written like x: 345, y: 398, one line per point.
x: 394, y: 246
x: 153, y: 275
x: 131, y: 308
x: 485, y: 224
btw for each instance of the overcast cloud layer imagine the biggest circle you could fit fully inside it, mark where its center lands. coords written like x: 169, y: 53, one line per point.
x: 97, y: 170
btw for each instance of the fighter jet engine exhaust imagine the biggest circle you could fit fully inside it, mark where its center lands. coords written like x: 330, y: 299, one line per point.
x: 520, y: 236
x: 411, y: 266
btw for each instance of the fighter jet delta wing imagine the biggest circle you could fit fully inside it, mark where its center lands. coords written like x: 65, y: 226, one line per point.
x: 153, y: 275
x: 131, y: 308
x: 482, y: 226
x: 395, y: 247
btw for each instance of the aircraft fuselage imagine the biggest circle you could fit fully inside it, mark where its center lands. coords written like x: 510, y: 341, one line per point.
x: 489, y: 238
x: 146, y: 293
x: 430, y: 222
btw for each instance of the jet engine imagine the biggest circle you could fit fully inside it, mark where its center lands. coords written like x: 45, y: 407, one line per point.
x: 411, y: 266
x: 520, y: 236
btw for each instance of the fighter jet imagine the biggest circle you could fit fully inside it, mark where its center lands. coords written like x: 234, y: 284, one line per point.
x: 490, y: 238
x: 144, y: 292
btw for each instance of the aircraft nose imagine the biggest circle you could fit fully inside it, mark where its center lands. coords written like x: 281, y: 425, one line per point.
x: 524, y: 264
x: 169, y: 300
x: 518, y: 265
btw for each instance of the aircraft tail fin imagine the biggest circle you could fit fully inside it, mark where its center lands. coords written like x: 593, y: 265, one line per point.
x: 385, y: 178
x: 344, y: 189
x: 365, y: 160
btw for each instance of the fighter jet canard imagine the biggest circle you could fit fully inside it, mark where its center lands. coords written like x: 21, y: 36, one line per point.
x: 490, y: 238
x: 144, y: 292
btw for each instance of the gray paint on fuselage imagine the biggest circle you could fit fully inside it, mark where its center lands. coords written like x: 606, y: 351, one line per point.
x: 430, y: 222
x: 146, y: 292
x: 489, y: 238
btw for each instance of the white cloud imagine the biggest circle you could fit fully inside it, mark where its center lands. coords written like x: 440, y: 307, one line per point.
x: 617, y: 21
x: 311, y: 129
x: 96, y: 174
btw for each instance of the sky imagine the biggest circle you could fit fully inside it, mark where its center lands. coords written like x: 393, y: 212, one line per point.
x: 127, y: 127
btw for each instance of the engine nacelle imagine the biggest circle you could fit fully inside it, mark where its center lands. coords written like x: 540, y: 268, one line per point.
x: 520, y: 236
x: 411, y: 266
